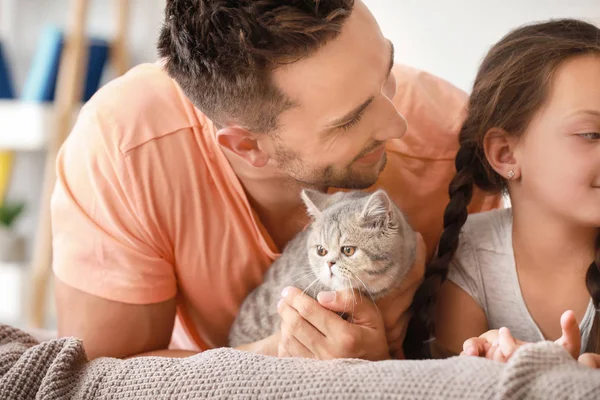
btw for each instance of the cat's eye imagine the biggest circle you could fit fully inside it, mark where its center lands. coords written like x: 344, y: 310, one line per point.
x: 321, y: 251
x: 348, y: 251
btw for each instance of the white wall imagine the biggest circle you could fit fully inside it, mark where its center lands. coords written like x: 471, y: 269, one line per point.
x: 449, y: 38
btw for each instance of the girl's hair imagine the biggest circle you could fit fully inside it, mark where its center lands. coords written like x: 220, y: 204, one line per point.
x: 511, y: 85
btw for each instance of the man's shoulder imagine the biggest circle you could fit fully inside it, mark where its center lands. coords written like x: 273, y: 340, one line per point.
x: 434, y: 109
x: 143, y: 105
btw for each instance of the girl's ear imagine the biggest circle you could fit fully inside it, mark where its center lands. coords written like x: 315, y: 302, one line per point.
x: 499, y: 149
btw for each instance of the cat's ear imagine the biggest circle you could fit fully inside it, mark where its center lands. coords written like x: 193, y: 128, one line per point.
x: 315, y: 202
x: 378, y: 209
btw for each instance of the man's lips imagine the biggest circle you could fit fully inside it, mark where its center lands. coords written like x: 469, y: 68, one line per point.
x: 373, y: 156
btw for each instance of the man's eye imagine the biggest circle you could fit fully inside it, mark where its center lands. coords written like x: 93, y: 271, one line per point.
x: 351, y: 124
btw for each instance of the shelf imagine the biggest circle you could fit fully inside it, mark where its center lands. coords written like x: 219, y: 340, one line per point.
x: 25, y: 126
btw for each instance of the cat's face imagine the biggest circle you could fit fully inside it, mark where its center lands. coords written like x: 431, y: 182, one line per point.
x: 354, y: 240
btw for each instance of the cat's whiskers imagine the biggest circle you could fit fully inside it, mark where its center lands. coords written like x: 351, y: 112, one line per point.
x: 360, y: 294
x: 302, y: 273
x: 346, y: 300
x: 309, y: 286
x: 351, y: 288
x: 302, y: 276
x: 367, y: 290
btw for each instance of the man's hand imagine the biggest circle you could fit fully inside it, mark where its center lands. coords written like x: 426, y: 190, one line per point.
x: 395, y: 306
x: 267, y: 346
x: 500, y: 345
x: 310, y: 329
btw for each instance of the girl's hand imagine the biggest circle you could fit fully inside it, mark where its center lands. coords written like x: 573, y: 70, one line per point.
x: 590, y: 359
x: 500, y: 345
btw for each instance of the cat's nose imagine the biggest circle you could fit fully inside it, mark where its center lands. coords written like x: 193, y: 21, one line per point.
x: 331, y: 264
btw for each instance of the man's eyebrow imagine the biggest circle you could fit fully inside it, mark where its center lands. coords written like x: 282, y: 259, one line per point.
x: 352, y: 114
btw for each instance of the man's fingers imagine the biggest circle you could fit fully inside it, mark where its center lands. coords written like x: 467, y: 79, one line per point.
x: 397, y: 334
x: 294, y: 326
x: 310, y: 310
x: 361, y: 310
x: 571, y: 336
x: 281, y: 351
x: 291, y: 347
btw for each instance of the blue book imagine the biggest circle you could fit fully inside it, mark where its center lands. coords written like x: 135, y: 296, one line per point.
x: 98, y: 54
x: 6, y: 87
x: 43, y: 75
x: 41, y: 80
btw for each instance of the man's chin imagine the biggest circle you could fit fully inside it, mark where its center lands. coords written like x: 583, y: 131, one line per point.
x: 354, y: 182
x: 359, y: 180
x: 357, y: 177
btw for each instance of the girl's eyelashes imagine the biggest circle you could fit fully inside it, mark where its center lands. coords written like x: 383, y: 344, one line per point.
x: 591, y: 136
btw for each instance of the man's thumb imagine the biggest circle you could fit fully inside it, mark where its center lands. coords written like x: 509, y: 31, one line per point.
x: 359, y: 309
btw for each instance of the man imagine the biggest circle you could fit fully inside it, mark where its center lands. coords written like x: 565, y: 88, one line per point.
x: 180, y: 182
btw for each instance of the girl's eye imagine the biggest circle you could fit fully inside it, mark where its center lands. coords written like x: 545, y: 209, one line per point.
x: 321, y: 251
x: 348, y: 251
x: 590, y: 136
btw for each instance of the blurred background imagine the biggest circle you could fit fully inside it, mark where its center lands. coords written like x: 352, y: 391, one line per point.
x: 38, y: 74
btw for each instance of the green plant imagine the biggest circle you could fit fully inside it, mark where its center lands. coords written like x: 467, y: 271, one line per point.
x: 9, y: 213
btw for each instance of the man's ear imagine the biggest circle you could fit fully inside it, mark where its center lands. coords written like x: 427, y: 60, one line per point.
x: 499, y: 147
x: 243, y: 143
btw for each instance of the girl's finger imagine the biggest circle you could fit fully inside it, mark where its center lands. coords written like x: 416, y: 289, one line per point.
x: 590, y: 359
x: 490, y: 354
x: 506, y: 343
x: 571, y: 336
x: 474, y: 347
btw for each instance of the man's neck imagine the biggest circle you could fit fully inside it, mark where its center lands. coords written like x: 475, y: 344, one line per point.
x: 274, y: 197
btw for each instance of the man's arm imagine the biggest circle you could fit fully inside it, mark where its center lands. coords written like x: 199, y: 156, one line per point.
x: 112, y: 329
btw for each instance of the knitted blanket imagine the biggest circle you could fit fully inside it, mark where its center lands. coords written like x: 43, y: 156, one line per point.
x: 58, y: 369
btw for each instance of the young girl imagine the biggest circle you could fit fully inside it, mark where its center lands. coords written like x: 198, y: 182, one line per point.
x: 533, y: 130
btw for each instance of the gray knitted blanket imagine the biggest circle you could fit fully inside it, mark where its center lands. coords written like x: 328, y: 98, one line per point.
x: 58, y: 369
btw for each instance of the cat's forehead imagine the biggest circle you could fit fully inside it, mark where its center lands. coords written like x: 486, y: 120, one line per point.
x: 340, y: 220
x: 343, y: 210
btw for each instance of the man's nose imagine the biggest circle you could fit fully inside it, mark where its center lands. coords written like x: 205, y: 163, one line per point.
x: 393, y: 124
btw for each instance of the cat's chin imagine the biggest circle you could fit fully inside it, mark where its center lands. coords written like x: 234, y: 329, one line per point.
x: 333, y: 282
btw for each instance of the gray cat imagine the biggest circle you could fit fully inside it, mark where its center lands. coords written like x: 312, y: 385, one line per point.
x: 356, y: 240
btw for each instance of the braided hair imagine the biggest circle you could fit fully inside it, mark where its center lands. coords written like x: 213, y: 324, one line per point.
x: 592, y: 281
x: 511, y: 85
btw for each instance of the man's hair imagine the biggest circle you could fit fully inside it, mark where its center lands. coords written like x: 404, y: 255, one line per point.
x: 222, y: 52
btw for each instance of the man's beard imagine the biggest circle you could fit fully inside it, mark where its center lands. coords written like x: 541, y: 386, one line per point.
x: 348, y: 177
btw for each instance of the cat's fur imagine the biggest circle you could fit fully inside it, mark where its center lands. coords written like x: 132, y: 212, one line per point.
x: 385, y: 249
